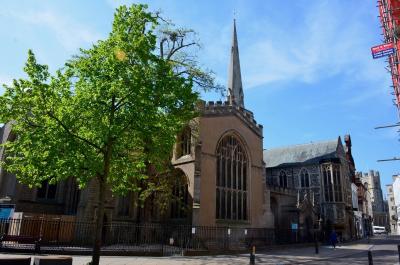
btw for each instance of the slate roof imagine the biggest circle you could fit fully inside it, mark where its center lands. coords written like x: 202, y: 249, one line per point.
x: 302, y: 153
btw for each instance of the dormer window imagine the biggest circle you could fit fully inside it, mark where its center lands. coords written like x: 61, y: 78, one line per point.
x: 184, y: 142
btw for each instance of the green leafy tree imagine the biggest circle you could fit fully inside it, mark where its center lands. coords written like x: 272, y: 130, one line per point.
x: 111, y: 115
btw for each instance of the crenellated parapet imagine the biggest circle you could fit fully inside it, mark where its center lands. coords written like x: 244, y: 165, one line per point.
x: 220, y: 108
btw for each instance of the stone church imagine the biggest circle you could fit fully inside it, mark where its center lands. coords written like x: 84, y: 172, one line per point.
x: 310, y: 185
x: 219, y: 154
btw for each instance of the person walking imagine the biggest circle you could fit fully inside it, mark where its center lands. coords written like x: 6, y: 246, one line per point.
x: 333, y: 238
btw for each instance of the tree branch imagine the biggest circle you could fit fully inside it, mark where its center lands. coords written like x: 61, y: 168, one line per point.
x: 173, y: 51
x: 51, y: 115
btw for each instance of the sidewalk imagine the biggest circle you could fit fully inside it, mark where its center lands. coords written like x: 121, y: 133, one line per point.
x: 303, y: 255
x: 299, y: 255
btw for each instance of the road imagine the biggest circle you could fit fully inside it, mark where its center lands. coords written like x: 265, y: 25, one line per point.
x: 384, y: 251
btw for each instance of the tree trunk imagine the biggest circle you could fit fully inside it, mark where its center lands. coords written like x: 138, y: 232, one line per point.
x: 99, y: 223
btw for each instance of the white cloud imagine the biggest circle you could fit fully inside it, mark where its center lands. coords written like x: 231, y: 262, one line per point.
x: 324, y: 44
x: 71, y: 34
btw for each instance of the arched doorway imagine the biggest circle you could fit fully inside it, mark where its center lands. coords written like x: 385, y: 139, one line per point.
x: 275, y: 212
x: 181, y: 200
x: 308, y: 226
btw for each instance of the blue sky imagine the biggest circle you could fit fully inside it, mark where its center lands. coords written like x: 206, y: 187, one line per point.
x: 306, y: 66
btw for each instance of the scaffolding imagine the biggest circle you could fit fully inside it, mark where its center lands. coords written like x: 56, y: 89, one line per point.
x: 389, y: 14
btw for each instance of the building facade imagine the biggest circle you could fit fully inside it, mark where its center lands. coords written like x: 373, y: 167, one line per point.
x: 364, y: 207
x: 372, y: 181
x: 393, y: 193
x: 318, y: 179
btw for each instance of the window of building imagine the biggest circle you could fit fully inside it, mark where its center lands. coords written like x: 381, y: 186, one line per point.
x: 304, y: 178
x: 390, y: 190
x: 184, y: 141
x: 47, y: 191
x: 231, y: 192
x: 337, y: 182
x: 332, y: 183
x: 123, y: 205
x: 180, y: 199
x: 283, y: 179
x: 327, y: 180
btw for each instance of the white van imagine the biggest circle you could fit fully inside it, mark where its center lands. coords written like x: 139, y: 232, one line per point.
x: 379, y: 230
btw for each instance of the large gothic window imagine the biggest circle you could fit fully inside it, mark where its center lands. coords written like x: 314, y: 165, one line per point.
x: 304, y: 178
x: 328, y: 185
x: 231, y: 192
x: 332, y: 183
x: 283, y: 179
x: 337, y: 182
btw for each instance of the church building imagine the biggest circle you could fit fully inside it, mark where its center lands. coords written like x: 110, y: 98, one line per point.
x: 310, y: 187
x: 219, y: 154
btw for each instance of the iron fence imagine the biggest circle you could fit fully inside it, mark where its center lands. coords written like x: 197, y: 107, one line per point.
x: 141, y: 238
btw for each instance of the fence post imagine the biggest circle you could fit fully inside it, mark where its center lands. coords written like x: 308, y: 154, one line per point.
x: 370, y: 261
x: 253, y: 256
x: 398, y: 250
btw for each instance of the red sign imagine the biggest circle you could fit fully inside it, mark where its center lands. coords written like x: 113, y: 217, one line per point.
x: 382, y: 50
x: 382, y: 47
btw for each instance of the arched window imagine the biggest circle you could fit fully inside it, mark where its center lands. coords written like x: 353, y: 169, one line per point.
x: 179, y: 206
x: 337, y: 182
x: 332, y: 183
x: 232, y: 168
x: 184, y: 141
x: 328, y: 185
x: 304, y: 178
x: 283, y: 179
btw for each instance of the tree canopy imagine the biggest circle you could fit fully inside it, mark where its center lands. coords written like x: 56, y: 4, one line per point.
x: 121, y: 98
x: 111, y: 113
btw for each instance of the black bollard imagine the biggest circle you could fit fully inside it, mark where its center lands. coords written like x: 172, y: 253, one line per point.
x: 253, y: 256
x: 370, y: 262
x: 316, y: 246
x: 398, y: 250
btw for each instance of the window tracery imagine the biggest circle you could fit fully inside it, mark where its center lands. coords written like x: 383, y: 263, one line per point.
x: 231, y: 191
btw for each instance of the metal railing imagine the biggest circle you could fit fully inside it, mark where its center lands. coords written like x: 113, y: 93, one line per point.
x: 142, y: 238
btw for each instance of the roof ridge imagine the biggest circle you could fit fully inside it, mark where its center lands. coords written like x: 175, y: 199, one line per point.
x: 296, y: 145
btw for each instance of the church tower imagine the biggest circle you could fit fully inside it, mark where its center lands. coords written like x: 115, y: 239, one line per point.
x: 235, y: 87
x: 224, y: 167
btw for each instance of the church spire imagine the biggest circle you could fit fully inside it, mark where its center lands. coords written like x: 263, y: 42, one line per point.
x: 235, y: 88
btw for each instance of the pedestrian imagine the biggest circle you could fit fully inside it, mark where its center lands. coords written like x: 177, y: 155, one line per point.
x: 333, y: 238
